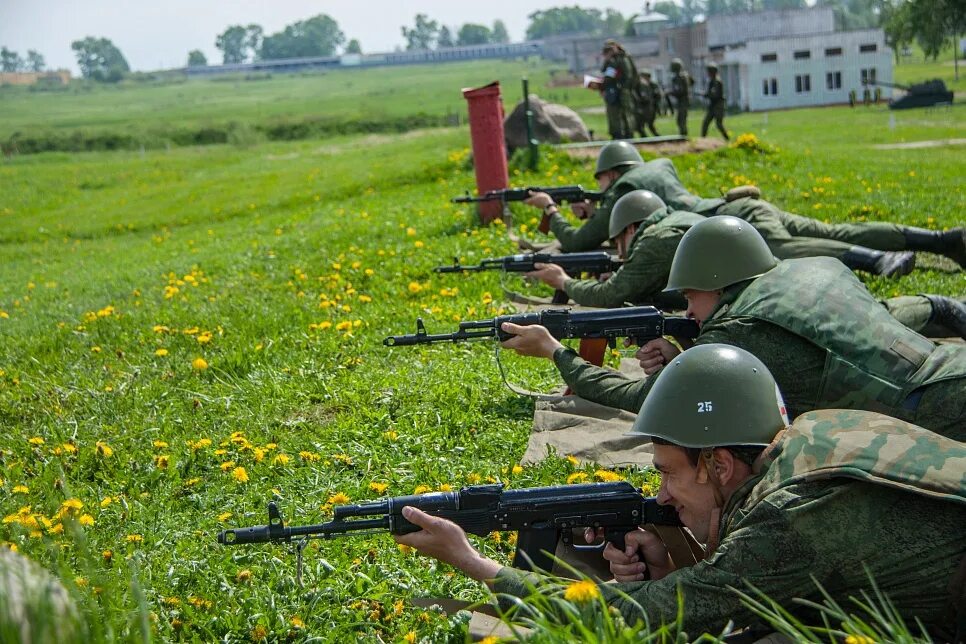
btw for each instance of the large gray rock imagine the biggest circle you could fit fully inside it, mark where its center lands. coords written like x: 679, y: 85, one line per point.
x: 552, y: 123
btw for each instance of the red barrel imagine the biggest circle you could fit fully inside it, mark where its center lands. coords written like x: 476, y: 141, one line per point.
x: 489, y: 149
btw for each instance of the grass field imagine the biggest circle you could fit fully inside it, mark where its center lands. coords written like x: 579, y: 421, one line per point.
x: 186, y: 334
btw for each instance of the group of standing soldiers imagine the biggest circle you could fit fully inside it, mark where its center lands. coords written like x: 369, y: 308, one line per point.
x: 633, y: 100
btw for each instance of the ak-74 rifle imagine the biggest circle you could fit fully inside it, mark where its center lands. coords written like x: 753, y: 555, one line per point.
x: 639, y: 323
x: 574, y: 264
x: 559, y: 194
x: 542, y: 516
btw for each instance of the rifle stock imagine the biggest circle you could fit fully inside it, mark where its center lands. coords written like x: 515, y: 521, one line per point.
x: 573, y: 263
x: 542, y: 516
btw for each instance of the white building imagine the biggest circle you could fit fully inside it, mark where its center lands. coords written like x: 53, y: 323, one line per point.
x: 806, y: 70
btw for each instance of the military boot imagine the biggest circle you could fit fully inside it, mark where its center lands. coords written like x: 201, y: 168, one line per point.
x: 948, y: 318
x: 877, y: 262
x: 951, y: 243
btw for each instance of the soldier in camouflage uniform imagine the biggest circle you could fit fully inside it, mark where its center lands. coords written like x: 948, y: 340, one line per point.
x: 616, y: 175
x: 647, y: 251
x: 681, y: 83
x: 619, y: 90
x: 828, y: 342
x: 648, y: 96
x: 790, y: 235
x: 716, y: 103
x: 838, y: 497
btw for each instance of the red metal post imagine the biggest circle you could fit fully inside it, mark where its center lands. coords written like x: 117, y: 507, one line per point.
x: 489, y: 147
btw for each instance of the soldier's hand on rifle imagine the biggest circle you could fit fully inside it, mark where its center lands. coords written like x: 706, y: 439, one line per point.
x: 582, y: 209
x: 643, y: 553
x: 533, y: 340
x: 539, y: 200
x: 655, y: 354
x: 446, y: 541
x: 550, y: 274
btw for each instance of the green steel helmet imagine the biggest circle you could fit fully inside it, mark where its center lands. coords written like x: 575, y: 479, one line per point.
x: 676, y: 65
x: 718, y: 252
x: 713, y: 395
x: 711, y: 67
x: 633, y: 208
x: 617, y: 154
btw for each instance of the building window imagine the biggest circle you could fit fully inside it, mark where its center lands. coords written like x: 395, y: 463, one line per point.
x: 868, y: 76
x: 833, y: 51
x: 866, y: 49
x: 769, y: 58
x: 833, y: 80
x: 802, y: 54
x: 769, y: 87
x: 803, y: 83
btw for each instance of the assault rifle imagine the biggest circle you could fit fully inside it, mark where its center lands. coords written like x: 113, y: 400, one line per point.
x: 561, y: 194
x: 542, y: 516
x: 640, y: 323
x: 572, y: 263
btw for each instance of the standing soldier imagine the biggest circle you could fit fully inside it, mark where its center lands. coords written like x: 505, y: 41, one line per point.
x: 648, y: 98
x: 716, y: 102
x: 681, y: 84
x: 620, y: 79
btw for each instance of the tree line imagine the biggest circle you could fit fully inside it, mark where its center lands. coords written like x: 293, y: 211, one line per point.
x: 933, y: 24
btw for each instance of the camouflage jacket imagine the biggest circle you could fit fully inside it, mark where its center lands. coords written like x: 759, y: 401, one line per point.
x: 595, y: 231
x: 645, y: 271
x: 840, y: 493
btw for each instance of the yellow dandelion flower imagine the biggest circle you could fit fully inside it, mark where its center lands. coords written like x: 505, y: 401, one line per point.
x: 240, y: 475
x: 296, y: 622
x: 473, y: 478
x: 227, y: 465
x: 106, y: 501
x: 260, y: 632
x: 573, y: 460
x: 309, y: 456
x: 487, y: 297
x: 583, y: 590
x: 365, y: 299
x: 418, y: 244
x: 161, y: 461
x: 224, y: 516
x: 103, y: 449
x: 243, y: 576
x: 378, y: 488
x: 71, y: 505
x: 445, y: 487
x: 199, y: 364
x: 517, y: 469
x: 576, y: 477
x: 390, y: 435
x: 415, y: 287
x: 410, y: 637
x: 345, y: 325
x: 422, y: 489
x: 339, y: 498
x: 107, y: 555
x: 281, y: 459
x: 4, y: 315
x: 86, y: 520
x: 21, y: 489
x: 607, y: 476
x: 406, y: 550
x: 411, y: 232
x: 36, y: 440
x: 204, y: 338
x: 134, y: 538
x: 161, y: 352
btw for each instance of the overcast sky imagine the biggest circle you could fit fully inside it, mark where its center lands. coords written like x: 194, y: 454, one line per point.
x: 159, y: 34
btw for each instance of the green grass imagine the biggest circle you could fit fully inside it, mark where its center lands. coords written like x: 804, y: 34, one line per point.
x: 255, y: 240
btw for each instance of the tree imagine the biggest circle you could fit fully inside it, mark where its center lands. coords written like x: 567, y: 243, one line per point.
x: 566, y: 20
x: 613, y: 23
x: 423, y: 35
x: 353, y: 47
x: 253, y: 39
x: 317, y: 36
x: 10, y: 61
x: 35, y: 61
x: 499, y: 34
x: 196, y: 58
x: 445, y: 38
x: 472, y: 34
x: 233, y: 43
x: 100, y: 60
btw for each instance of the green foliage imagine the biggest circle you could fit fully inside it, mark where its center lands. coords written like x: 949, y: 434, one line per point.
x: 445, y: 38
x: 423, y: 34
x: 575, y: 19
x: 238, y: 44
x: 10, y: 61
x: 472, y: 34
x: 35, y: 61
x: 353, y: 47
x: 196, y: 58
x: 100, y: 60
x: 499, y: 34
x: 317, y: 36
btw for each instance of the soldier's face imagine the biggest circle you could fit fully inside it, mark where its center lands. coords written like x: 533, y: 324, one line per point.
x: 605, y: 178
x: 623, y: 241
x: 686, y: 487
x: 701, y: 303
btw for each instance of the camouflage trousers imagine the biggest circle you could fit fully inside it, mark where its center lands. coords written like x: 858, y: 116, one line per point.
x: 619, y: 121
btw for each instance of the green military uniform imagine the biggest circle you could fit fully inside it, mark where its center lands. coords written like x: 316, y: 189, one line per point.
x: 681, y: 84
x: 839, y: 493
x: 801, y: 236
x: 647, y: 99
x: 716, y: 107
x: 594, y: 231
x: 827, y: 342
x: 643, y: 276
x: 620, y: 79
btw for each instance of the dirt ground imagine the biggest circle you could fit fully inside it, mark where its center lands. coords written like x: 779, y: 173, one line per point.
x: 667, y: 148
